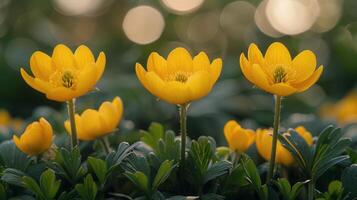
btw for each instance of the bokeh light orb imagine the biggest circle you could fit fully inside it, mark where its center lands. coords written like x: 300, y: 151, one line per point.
x: 292, y: 17
x: 236, y: 17
x: 263, y: 23
x: 77, y: 7
x: 182, y: 6
x: 143, y: 24
x: 330, y: 14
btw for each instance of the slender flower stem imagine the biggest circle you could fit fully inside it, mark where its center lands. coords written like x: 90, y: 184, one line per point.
x: 183, y: 127
x: 71, y: 113
x: 106, y: 145
x: 310, y: 191
x: 275, y: 138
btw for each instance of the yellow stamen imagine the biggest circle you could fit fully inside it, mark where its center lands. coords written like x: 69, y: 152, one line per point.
x: 67, y: 79
x: 279, y: 74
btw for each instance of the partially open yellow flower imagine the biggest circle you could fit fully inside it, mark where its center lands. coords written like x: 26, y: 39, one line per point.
x: 263, y: 143
x: 36, y: 139
x: 179, y: 79
x: 65, y: 75
x: 277, y: 73
x: 93, y: 124
x: 238, y: 138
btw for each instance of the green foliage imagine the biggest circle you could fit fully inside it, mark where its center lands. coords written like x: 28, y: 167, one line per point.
x: 13, y: 176
x: 68, y: 164
x: 349, y: 181
x: 99, y: 168
x: 315, y: 161
x: 2, y: 192
x: 12, y: 157
x: 48, y: 187
x: 88, y: 189
x: 288, y: 192
x: 335, y: 192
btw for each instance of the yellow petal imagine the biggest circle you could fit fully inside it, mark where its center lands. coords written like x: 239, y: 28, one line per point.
x: 176, y: 93
x: 304, y: 64
x: 83, y: 56
x: 216, y: 68
x: 154, y: 83
x: 86, y: 81
x: 277, y: 53
x: 92, y: 127
x: 245, y: 67
x: 157, y: 64
x: 304, y: 134
x: 283, y: 156
x: 255, y: 56
x: 140, y: 73
x: 310, y: 81
x: 63, y: 58
x: 108, y: 114
x: 19, y: 145
x: 263, y: 143
x: 201, y: 62
x: 35, y: 83
x: 259, y: 78
x: 61, y: 94
x: 230, y: 126
x: 32, y: 138
x: 118, y: 103
x: 47, y: 133
x: 179, y: 59
x: 282, y: 89
x: 199, y: 84
x: 101, y: 61
x: 41, y: 66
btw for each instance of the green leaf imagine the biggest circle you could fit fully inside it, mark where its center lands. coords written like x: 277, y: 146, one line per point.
x: 32, y: 185
x: 296, y: 189
x: 13, y: 176
x: 155, y: 132
x: 88, y: 190
x: 115, y: 158
x: 12, y: 157
x: 217, y: 169
x: 2, y: 192
x: 162, y: 174
x: 49, y: 184
x: 139, y: 179
x: 349, y: 180
x: 99, y: 167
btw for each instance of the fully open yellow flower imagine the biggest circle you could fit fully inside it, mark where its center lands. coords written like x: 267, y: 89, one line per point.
x: 238, y: 138
x: 277, y: 73
x: 263, y: 143
x: 93, y: 124
x: 36, y: 139
x: 179, y: 79
x: 65, y: 75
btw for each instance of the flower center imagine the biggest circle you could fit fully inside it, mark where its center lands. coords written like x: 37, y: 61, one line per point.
x: 67, y: 79
x: 181, y: 77
x: 279, y: 74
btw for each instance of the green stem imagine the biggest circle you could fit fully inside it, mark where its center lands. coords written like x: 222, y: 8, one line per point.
x: 275, y: 138
x: 183, y: 127
x: 71, y: 113
x: 106, y: 145
x: 311, y: 188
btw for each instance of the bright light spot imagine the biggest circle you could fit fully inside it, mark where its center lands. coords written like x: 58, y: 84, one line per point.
x: 182, y: 6
x: 143, y: 24
x: 77, y: 7
x: 292, y: 17
x: 263, y: 23
x: 203, y: 27
x: 330, y: 14
x: 236, y: 18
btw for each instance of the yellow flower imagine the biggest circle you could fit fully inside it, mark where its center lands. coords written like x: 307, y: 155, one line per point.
x: 238, y: 138
x: 5, y: 118
x: 93, y: 124
x: 277, y: 73
x: 179, y: 79
x: 65, y: 75
x: 263, y: 143
x: 344, y: 111
x: 7, y: 121
x: 36, y: 139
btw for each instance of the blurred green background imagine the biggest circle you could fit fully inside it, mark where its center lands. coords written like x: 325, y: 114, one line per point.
x: 128, y: 30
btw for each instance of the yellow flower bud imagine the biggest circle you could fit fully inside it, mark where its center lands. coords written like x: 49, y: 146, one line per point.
x: 263, y: 143
x: 36, y: 139
x: 179, y: 79
x: 277, y: 73
x: 93, y: 124
x: 65, y: 75
x: 238, y: 138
